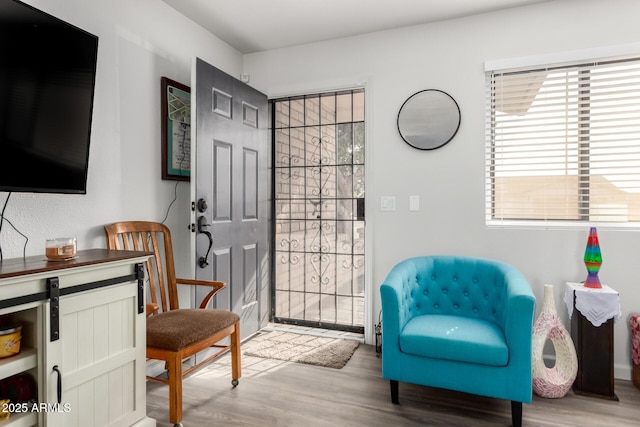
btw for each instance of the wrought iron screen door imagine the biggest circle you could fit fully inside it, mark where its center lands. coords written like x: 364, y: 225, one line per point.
x: 319, y: 210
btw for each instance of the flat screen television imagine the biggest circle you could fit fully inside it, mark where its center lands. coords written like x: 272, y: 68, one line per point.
x: 47, y: 80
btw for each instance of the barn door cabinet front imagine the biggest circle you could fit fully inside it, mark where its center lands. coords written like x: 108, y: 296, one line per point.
x: 90, y: 372
x: 90, y: 346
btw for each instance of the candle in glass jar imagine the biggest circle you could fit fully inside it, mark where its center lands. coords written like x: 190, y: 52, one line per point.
x: 60, y: 248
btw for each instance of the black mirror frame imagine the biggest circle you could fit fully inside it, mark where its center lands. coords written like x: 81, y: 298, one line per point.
x: 453, y: 134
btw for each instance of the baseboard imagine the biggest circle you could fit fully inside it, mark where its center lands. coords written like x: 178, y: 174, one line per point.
x: 620, y: 371
x: 145, y: 422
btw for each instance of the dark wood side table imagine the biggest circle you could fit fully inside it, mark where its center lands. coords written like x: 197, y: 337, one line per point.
x: 594, y: 348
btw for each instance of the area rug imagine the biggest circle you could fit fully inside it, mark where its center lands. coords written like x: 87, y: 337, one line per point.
x: 302, y: 348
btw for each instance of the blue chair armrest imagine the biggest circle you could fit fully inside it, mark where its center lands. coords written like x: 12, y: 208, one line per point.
x: 520, y: 306
x: 395, y: 313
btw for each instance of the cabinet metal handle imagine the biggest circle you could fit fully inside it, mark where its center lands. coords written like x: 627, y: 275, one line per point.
x: 55, y: 368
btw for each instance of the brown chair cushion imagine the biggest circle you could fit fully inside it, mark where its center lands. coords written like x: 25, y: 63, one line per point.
x: 177, y: 329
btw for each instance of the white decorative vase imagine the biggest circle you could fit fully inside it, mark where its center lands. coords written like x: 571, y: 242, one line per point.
x: 552, y: 382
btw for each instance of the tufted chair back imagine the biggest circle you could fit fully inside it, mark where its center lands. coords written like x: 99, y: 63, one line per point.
x: 462, y: 286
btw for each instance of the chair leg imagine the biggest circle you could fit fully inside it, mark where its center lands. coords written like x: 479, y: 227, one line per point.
x: 236, y: 355
x: 175, y: 389
x: 516, y: 413
x: 394, y: 391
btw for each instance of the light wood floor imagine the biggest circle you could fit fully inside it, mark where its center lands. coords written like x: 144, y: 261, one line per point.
x: 274, y: 393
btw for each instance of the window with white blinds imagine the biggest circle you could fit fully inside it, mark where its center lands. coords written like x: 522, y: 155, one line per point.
x: 563, y: 143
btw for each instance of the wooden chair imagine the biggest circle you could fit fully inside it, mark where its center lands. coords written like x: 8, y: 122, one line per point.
x: 175, y: 334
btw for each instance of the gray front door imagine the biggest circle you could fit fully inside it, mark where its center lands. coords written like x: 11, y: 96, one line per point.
x: 231, y: 193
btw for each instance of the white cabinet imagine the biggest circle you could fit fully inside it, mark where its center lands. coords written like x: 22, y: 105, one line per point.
x: 86, y: 336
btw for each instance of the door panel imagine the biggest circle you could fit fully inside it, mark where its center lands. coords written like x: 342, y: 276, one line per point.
x: 250, y: 199
x: 250, y: 295
x: 222, y: 266
x: 231, y: 174
x: 98, y: 375
x: 222, y: 167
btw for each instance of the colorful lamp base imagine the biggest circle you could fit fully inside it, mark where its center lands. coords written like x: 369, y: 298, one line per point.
x: 593, y: 281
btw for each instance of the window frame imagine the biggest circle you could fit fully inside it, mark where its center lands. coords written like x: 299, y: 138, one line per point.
x: 506, y: 67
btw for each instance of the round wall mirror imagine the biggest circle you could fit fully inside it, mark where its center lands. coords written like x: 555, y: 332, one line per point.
x: 429, y: 119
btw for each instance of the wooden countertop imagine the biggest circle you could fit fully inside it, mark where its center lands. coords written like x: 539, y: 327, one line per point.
x: 14, y: 267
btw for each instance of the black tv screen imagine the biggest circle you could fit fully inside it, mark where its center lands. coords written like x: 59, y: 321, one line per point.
x: 47, y: 79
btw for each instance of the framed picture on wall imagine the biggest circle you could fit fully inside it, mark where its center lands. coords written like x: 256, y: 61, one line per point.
x: 176, y: 130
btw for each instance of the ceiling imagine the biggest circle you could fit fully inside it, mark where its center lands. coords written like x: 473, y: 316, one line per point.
x: 259, y: 25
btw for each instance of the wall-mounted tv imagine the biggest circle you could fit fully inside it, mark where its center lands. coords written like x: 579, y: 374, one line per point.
x: 47, y: 80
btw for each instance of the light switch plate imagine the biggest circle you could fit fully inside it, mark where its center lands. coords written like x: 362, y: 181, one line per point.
x: 414, y: 203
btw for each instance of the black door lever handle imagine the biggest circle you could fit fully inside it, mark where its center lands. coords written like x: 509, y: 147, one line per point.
x: 203, y: 261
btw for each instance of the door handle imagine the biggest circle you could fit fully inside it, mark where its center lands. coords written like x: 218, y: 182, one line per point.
x: 59, y: 385
x: 203, y: 261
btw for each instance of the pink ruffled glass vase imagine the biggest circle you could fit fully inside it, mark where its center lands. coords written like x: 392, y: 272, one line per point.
x: 556, y: 381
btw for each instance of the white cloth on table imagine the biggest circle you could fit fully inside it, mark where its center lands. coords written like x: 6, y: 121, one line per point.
x: 596, y: 304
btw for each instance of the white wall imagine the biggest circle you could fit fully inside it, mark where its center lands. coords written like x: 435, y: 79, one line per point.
x: 450, y: 181
x: 139, y: 42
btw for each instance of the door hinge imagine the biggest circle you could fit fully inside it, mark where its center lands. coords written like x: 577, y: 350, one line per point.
x: 53, y: 288
x: 140, y: 278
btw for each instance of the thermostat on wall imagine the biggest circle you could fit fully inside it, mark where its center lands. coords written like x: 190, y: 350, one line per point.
x: 388, y: 203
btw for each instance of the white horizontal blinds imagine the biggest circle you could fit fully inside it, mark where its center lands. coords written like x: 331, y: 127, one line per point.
x: 563, y: 143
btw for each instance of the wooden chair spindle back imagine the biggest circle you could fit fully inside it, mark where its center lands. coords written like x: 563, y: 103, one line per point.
x: 150, y: 237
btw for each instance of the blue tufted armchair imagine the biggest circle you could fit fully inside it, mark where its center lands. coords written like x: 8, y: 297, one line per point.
x: 458, y: 323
